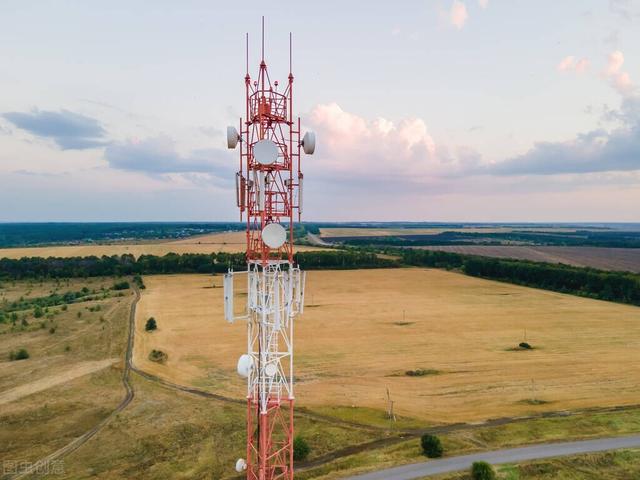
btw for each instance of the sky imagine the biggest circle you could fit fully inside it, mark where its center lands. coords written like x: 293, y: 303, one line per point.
x: 431, y: 110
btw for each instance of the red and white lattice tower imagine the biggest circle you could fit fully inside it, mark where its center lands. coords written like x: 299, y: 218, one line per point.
x: 269, y: 191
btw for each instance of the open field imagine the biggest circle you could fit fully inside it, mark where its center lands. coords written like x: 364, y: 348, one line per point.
x: 623, y: 259
x: 231, y: 242
x: 354, y: 341
x: 72, y: 378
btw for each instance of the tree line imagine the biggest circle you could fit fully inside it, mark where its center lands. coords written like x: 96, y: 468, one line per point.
x: 120, y: 265
x: 620, y: 287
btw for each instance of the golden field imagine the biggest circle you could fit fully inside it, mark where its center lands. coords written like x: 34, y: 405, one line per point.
x: 231, y: 242
x: 355, y: 340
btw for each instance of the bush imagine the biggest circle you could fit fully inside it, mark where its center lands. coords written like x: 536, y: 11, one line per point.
x: 482, y: 471
x: 431, y: 446
x: 124, y: 285
x: 52, y: 330
x: 525, y: 346
x: 21, y: 354
x: 38, y: 312
x: 301, y: 448
x: 151, y: 325
x: 158, y: 356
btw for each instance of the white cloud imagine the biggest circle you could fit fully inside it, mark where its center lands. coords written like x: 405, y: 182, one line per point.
x: 458, y: 14
x: 380, y: 150
x: 572, y: 64
x: 620, y: 80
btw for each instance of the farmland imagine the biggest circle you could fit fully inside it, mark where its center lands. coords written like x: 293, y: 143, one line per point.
x: 462, y: 332
x: 230, y: 242
x: 621, y: 259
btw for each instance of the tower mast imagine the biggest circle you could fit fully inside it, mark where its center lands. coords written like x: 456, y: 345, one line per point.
x: 269, y: 191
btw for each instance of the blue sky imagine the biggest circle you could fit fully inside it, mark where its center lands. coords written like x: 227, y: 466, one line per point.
x: 475, y: 110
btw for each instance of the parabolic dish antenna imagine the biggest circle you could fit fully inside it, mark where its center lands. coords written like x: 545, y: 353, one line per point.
x: 274, y: 235
x: 232, y: 137
x: 241, y: 465
x: 265, y: 152
x: 309, y: 143
x: 245, y: 363
x: 271, y: 369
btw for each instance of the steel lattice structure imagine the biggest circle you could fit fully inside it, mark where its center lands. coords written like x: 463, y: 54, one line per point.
x: 268, y: 190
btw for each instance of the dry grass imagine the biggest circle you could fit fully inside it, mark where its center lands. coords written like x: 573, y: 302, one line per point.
x: 70, y: 381
x: 230, y: 242
x: 350, y: 347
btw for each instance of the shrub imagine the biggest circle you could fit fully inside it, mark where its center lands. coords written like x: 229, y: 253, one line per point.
x: 124, y: 285
x: 301, y: 448
x: 67, y: 348
x: 24, y: 322
x: 431, y: 446
x: 482, y: 471
x: 52, y: 330
x: 151, y: 325
x: 421, y: 372
x: 21, y: 354
x: 158, y: 356
x: 38, y: 312
x: 525, y: 346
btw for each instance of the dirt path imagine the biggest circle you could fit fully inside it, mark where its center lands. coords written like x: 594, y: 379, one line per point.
x: 71, y: 373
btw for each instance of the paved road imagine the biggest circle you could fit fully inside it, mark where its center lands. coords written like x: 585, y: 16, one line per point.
x: 512, y: 455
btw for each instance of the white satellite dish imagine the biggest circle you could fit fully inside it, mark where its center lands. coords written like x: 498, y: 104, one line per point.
x: 309, y: 143
x: 271, y: 369
x: 274, y: 235
x: 232, y: 137
x: 265, y: 152
x: 245, y: 364
x: 241, y: 465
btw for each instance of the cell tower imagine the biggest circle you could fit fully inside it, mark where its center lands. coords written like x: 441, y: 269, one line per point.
x: 269, y: 191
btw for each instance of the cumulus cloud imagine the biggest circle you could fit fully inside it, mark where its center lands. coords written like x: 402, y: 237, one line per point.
x: 69, y: 130
x: 572, y: 64
x: 458, y: 14
x: 380, y: 151
x: 158, y: 155
x: 620, y: 80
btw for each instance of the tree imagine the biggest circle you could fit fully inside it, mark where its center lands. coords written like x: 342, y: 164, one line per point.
x: 482, y: 471
x: 151, y: 325
x: 301, y: 448
x: 431, y: 446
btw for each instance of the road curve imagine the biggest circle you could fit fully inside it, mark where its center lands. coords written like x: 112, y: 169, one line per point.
x: 511, y: 455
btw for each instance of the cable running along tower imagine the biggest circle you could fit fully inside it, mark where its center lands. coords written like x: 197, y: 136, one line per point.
x: 269, y: 193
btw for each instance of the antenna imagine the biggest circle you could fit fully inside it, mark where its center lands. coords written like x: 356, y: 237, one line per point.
x: 270, y: 149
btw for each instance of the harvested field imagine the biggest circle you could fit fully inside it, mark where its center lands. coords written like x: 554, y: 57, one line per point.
x: 355, y: 340
x: 623, y: 259
x: 216, y: 242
